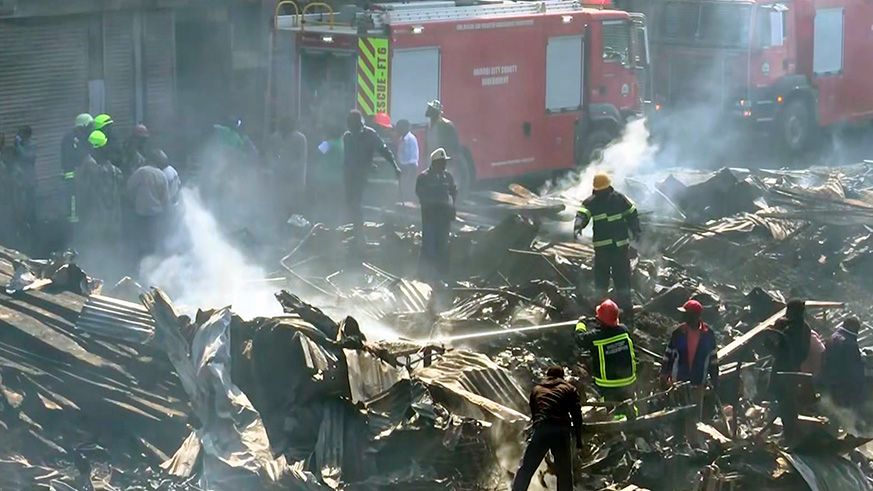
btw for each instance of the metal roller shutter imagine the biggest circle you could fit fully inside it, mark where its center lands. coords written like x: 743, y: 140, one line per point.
x: 160, y: 74
x: 44, y: 84
x: 119, y: 71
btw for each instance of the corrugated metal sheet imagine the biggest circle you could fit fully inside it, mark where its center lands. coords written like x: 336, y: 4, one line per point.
x: 119, y: 71
x: 44, y: 84
x: 116, y: 319
x: 159, y: 68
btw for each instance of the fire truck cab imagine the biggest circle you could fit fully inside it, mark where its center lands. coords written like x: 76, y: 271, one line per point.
x: 785, y: 66
x: 531, y: 86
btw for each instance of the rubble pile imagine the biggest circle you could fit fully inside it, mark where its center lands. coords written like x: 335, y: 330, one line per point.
x: 105, y: 393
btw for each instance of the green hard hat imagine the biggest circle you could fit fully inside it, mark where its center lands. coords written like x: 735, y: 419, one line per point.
x: 84, y: 120
x: 98, y: 139
x: 102, y: 120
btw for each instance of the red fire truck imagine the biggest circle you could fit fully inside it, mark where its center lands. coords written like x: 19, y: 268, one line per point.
x: 531, y: 86
x: 786, y: 66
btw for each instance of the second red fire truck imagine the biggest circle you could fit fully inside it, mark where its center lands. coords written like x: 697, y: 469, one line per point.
x: 531, y: 86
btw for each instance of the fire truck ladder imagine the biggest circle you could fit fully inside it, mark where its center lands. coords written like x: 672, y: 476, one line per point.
x: 448, y: 11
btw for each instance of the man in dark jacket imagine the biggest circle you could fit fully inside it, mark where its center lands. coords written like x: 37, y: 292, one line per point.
x: 613, y: 361
x: 790, y: 349
x: 360, y: 143
x: 614, y: 216
x: 554, y: 403
x: 843, y: 368
x: 692, y: 353
x: 437, y: 192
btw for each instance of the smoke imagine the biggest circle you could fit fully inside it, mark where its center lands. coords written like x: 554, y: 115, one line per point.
x: 211, y: 272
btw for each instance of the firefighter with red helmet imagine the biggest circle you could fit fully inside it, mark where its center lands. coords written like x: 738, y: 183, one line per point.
x: 611, y: 350
x: 615, y: 218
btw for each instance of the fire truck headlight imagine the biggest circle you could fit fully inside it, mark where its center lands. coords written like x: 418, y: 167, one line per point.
x: 417, y: 29
x: 566, y: 19
x: 779, y: 99
x: 765, y: 68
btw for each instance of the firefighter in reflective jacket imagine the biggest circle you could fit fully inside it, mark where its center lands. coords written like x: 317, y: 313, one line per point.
x: 613, y: 362
x: 614, y: 217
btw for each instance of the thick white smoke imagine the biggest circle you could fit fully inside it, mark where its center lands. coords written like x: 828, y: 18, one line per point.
x: 211, y: 273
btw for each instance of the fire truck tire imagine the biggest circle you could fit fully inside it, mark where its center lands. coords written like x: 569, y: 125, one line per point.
x: 795, y: 126
x: 596, y: 141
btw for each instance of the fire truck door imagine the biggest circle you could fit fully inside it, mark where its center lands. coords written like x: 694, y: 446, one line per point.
x: 565, y: 66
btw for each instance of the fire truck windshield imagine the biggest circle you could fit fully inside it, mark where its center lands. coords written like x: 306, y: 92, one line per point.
x: 716, y: 24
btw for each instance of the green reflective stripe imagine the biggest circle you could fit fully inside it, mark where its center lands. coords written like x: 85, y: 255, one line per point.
x: 615, y: 218
x: 620, y: 337
x: 601, y: 243
x: 622, y: 242
x: 602, y: 216
x: 74, y: 217
x: 602, y: 362
x: 630, y: 211
x: 580, y: 326
x: 622, y: 382
x: 585, y: 211
x: 69, y: 175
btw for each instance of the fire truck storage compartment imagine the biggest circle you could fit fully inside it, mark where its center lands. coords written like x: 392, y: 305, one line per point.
x: 415, y: 81
x: 327, y: 87
x: 564, y: 62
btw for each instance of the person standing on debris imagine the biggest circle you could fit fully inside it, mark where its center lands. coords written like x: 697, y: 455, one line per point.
x: 437, y: 193
x: 24, y: 156
x: 790, y: 349
x: 441, y: 133
x: 554, y: 404
x: 75, y: 147
x: 613, y: 361
x: 98, y: 191
x: 149, y: 193
x: 692, y: 353
x: 360, y: 143
x: 843, y: 367
x: 136, y: 149
x: 407, y: 157
x: 613, y: 215
x: 288, y: 158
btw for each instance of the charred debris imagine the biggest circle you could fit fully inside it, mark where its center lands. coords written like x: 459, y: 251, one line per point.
x: 115, y: 388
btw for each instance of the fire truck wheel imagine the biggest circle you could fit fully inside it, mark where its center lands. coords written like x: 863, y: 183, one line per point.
x: 595, y: 143
x: 795, y: 126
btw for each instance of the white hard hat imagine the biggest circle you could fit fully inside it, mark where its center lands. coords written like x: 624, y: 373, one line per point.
x: 439, y: 154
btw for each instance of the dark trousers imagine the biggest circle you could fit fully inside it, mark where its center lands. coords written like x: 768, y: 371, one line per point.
x: 354, y: 190
x: 620, y: 394
x: 545, y: 437
x: 614, y: 262
x: 434, y: 259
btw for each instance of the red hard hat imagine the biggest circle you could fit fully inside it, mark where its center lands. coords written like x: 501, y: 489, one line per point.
x: 382, y: 119
x: 607, y: 313
x: 692, y: 306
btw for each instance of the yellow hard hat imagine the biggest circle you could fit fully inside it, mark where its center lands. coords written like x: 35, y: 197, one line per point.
x: 98, y: 139
x: 602, y: 181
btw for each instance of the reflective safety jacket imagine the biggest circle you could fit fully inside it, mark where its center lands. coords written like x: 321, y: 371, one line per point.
x: 613, y: 215
x: 614, y: 363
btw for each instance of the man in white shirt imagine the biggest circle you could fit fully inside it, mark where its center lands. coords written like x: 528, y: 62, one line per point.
x: 407, y: 159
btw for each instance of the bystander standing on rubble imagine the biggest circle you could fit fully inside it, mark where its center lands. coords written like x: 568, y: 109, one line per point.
x: 360, y: 143
x: 556, y: 416
x: 24, y: 158
x: 441, y: 133
x: 843, y: 367
x: 149, y: 193
x: 136, y: 149
x: 288, y: 158
x: 615, y: 219
x: 790, y: 348
x: 692, y: 357
x: 612, y: 359
x: 407, y: 157
x: 437, y: 193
